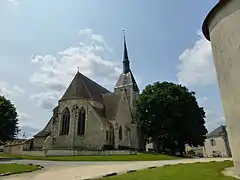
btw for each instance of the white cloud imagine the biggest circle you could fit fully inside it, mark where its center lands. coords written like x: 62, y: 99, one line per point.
x: 15, y: 2
x: 18, y: 90
x: 24, y: 118
x: 27, y: 125
x: 27, y: 131
x: 214, y: 118
x: 196, y: 66
x: 56, y: 72
x: 10, y: 91
x: 48, y: 99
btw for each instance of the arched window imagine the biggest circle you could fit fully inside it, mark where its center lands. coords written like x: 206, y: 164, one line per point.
x: 120, y: 133
x: 111, y: 134
x: 65, y: 122
x: 107, y: 135
x: 81, y: 122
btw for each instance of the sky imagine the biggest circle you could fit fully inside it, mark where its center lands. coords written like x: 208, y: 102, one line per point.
x: 42, y: 43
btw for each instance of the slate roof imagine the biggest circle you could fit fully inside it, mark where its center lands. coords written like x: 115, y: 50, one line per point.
x: 111, y: 102
x: 101, y: 114
x: 126, y: 80
x: 55, y: 110
x: 46, y: 130
x: 220, y: 131
x: 82, y: 87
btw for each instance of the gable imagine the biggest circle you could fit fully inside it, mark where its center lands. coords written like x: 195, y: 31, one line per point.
x: 82, y: 87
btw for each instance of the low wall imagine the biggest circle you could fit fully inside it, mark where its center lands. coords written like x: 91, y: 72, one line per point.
x: 88, y: 153
x: 13, y: 149
x: 32, y: 153
x: 73, y: 153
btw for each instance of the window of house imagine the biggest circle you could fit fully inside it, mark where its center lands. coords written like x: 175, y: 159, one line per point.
x: 65, y: 122
x: 120, y: 133
x: 107, y: 135
x: 213, y: 142
x: 81, y: 122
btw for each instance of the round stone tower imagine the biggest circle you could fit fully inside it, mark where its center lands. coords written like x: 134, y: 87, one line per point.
x: 222, y: 28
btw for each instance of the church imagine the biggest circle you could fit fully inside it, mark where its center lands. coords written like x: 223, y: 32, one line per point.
x: 90, y: 117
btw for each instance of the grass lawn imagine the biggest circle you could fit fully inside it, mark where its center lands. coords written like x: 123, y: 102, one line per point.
x: 139, y: 157
x: 196, y: 171
x: 16, y: 168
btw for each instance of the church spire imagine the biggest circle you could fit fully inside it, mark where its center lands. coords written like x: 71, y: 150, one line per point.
x: 126, y: 62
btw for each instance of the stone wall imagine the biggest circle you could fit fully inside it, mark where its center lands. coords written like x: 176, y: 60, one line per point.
x: 32, y: 153
x: 12, y: 150
x: 94, y: 137
x: 88, y: 153
x: 123, y: 118
x: 38, y: 142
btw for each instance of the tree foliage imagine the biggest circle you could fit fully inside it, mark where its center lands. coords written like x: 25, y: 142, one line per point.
x: 170, y: 116
x: 8, y: 120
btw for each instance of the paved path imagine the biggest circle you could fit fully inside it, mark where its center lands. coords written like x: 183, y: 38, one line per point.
x: 48, y: 164
x: 231, y: 172
x: 85, y: 171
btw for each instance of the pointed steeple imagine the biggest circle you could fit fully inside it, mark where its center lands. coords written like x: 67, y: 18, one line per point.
x: 126, y: 62
x: 126, y: 79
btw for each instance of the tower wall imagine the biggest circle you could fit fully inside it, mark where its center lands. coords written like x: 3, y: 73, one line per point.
x: 222, y: 26
x: 131, y: 95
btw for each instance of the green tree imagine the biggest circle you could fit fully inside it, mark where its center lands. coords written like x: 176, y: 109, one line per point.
x: 8, y: 120
x: 170, y: 116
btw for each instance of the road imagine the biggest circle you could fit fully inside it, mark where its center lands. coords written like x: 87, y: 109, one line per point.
x: 85, y: 170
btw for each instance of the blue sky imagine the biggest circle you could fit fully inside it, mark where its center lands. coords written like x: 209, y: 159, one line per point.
x: 43, y: 42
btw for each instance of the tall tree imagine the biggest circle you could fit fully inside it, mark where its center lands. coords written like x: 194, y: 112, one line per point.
x: 170, y: 116
x: 8, y: 120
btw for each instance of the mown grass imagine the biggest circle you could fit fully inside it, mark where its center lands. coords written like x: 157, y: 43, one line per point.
x: 138, y: 157
x: 196, y: 171
x: 16, y: 168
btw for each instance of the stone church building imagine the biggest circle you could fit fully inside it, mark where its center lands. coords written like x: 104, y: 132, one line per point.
x: 90, y: 117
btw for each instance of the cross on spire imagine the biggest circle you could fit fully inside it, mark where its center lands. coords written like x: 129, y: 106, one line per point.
x: 124, y: 32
